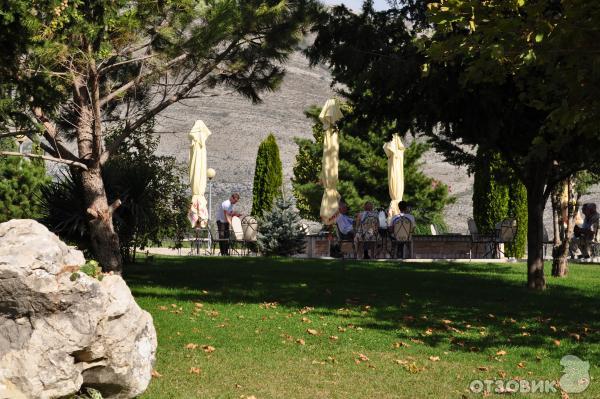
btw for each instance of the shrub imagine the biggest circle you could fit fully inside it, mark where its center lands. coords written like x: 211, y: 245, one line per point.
x: 268, y: 176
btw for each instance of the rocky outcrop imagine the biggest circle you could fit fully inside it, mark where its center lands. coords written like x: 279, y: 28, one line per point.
x: 60, y: 328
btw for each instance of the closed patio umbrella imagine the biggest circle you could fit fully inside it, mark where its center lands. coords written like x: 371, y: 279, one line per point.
x: 394, y: 150
x: 330, y: 114
x: 198, y: 213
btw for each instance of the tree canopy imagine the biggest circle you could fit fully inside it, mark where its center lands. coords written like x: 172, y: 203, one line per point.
x: 79, y: 70
x: 515, y: 77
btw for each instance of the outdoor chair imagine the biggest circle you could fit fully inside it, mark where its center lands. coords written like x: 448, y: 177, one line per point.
x: 402, y: 237
x: 594, y: 245
x: 367, y: 236
x: 250, y: 232
x: 546, y: 241
x: 346, y: 245
x: 480, y: 239
x: 236, y: 237
x: 506, y: 232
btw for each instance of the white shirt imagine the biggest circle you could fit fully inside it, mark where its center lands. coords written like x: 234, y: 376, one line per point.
x: 226, y: 206
x: 344, y: 223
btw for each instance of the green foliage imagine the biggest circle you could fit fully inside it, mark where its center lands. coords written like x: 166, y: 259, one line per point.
x: 154, y: 199
x: 490, y: 192
x: 268, y: 177
x: 21, y: 182
x: 87, y: 393
x: 497, y: 195
x: 517, y: 205
x: 280, y: 232
x: 363, y: 173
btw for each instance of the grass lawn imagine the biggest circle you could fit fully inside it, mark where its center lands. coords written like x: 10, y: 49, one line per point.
x: 289, y: 328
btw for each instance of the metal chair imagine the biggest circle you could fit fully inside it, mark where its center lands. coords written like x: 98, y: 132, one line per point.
x: 367, y: 235
x: 478, y: 239
x: 250, y: 232
x: 236, y: 236
x: 402, y: 231
x: 506, y: 232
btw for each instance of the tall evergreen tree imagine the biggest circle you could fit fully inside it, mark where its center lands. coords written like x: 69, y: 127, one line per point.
x: 21, y: 181
x: 497, y: 195
x: 363, y: 173
x: 268, y: 177
x: 85, y: 64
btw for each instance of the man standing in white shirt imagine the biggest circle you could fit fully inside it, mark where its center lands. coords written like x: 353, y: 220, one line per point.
x: 224, y: 214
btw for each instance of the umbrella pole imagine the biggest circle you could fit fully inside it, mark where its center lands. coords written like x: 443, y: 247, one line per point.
x: 209, y: 215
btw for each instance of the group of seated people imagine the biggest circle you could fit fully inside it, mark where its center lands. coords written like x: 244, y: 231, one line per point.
x: 584, y: 233
x: 348, y: 227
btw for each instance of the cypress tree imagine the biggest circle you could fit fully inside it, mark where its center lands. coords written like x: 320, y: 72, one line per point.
x: 20, y: 183
x: 490, y: 196
x: 498, y: 194
x: 268, y: 177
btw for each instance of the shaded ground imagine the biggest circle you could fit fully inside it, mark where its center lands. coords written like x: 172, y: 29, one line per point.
x: 426, y: 329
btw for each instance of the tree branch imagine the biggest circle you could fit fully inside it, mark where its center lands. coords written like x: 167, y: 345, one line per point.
x: 166, y: 102
x: 134, y: 82
x: 51, y: 135
x: 45, y: 157
x: 108, y: 68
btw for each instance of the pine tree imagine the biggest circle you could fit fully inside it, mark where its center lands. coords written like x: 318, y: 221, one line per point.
x: 280, y: 232
x: 517, y: 206
x: 363, y: 173
x: 268, y: 177
x: 20, y: 183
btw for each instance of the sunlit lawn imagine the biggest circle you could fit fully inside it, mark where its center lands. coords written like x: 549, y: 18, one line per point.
x: 288, y: 328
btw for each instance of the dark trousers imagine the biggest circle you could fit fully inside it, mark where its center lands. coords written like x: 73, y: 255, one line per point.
x: 223, y: 229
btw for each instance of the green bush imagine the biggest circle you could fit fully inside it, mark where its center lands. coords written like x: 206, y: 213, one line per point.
x: 21, y: 182
x: 268, y: 177
x: 280, y: 232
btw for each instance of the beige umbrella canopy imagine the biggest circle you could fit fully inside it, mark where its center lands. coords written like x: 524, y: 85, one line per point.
x: 395, y: 153
x: 198, y: 213
x: 330, y: 114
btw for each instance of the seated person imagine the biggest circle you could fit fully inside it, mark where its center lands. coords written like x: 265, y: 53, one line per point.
x: 344, y: 223
x: 584, y: 234
x: 368, y: 211
x: 404, y: 212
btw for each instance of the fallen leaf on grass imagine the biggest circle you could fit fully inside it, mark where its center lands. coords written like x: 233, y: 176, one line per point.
x: 556, y: 342
x: 521, y: 365
x: 163, y: 307
x: 525, y: 334
x: 208, y: 348
x: 300, y: 341
x: 552, y: 328
x: 156, y: 374
x: 434, y: 358
x: 501, y: 353
x: 312, y: 331
x: 199, y: 305
x: 401, y: 362
x: 446, y: 321
x: 195, y: 370
x: 191, y: 346
x: 305, y: 309
x: 305, y: 320
x: 483, y: 368
x: 341, y: 329
x: 416, y: 341
x: 400, y: 344
x: 333, y: 337
x: 575, y: 336
x: 363, y: 358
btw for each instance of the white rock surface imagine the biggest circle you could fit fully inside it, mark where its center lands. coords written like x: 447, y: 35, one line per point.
x: 56, y: 334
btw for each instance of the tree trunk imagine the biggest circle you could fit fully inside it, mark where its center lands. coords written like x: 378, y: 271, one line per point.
x: 559, y: 249
x: 535, y: 235
x: 105, y: 241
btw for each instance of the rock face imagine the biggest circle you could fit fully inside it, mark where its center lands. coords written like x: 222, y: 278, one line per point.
x: 58, y: 333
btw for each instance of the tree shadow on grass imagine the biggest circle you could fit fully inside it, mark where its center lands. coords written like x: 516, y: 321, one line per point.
x: 472, y: 306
